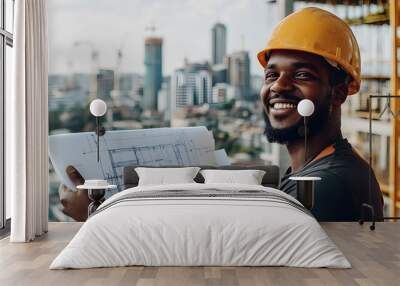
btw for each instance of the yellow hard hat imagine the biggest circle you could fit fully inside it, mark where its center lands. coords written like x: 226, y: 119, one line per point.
x: 320, y: 32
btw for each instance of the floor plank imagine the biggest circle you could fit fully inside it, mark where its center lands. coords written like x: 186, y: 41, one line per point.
x: 374, y: 255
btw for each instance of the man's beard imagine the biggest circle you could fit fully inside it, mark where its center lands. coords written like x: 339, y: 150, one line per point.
x: 315, y: 125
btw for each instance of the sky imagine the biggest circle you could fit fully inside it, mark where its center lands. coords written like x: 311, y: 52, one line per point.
x: 185, y: 26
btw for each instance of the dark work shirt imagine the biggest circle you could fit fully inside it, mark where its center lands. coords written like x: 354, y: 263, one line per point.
x: 343, y: 187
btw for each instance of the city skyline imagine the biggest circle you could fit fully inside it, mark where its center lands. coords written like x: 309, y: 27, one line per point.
x: 186, y: 35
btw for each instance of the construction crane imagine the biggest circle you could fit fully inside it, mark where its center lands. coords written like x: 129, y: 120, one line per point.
x: 152, y: 28
x: 94, y: 56
x: 116, y: 92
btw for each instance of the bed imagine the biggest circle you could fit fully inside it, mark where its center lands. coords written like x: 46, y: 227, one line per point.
x: 201, y: 224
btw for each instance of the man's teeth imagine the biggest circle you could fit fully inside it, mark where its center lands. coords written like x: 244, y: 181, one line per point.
x: 283, y: 106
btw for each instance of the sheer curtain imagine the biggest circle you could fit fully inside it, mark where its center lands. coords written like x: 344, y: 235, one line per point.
x: 27, y: 123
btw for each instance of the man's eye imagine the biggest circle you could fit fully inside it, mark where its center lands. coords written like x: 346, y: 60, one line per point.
x: 271, y: 76
x: 304, y: 75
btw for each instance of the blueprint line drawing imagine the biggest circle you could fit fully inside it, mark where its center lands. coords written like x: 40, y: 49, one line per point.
x: 145, y: 147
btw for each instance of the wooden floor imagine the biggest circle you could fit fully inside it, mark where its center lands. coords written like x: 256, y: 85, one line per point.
x: 375, y: 257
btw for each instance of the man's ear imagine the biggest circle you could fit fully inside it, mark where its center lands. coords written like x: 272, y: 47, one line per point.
x: 339, y: 94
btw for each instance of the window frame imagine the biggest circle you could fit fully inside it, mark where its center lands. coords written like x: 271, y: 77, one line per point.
x: 6, y: 39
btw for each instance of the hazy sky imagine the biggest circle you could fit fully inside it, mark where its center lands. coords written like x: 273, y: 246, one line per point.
x: 185, y: 26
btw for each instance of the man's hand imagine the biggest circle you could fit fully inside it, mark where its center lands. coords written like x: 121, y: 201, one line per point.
x: 75, y: 204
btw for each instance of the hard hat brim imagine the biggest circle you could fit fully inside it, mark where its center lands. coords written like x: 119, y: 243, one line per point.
x: 353, y: 86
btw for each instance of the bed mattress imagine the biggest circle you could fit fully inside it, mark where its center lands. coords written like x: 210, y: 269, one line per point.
x: 201, y: 225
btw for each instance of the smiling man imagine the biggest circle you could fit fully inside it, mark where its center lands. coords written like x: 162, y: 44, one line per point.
x: 312, y: 54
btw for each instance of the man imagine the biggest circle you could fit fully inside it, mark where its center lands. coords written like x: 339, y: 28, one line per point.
x: 312, y: 54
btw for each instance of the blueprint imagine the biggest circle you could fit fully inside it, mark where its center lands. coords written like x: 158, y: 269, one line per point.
x: 156, y: 147
x: 221, y: 157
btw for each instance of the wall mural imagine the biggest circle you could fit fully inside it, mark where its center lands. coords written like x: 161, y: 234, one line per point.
x: 176, y: 64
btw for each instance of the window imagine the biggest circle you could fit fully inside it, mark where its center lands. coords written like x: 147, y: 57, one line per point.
x: 6, y: 43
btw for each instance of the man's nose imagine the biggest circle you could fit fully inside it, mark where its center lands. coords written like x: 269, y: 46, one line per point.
x: 283, y: 83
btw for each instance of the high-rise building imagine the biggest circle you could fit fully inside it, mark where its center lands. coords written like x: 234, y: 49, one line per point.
x: 256, y: 83
x: 191, y: 85
x: 203, y: 87
x: 222, y: 92
x: 164, y: 98
x: 136, y: 92
x: 153, y: 72
x: 105, y: 84
x: 199, y: 82
x: 218, y: 43
x: 239, y: 73
x: 220, y: 73
x: 181, y: 94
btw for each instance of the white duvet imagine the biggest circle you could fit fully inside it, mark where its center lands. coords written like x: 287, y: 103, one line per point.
x: 200, y: 231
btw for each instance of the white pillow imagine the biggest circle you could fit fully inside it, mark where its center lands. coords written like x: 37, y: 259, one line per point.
x: 162, y: 176
x: 248, y: 177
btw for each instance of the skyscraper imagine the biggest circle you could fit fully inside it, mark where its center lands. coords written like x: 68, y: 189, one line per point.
x: 105, y: 84
x: 191, y: 85
x: 218, y: 43
x: 203, y: 87
x: 153, y: 72
x: 239, y: 73
x: 181, y: 93
x: 164, y: 98
x: 220, y: 73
